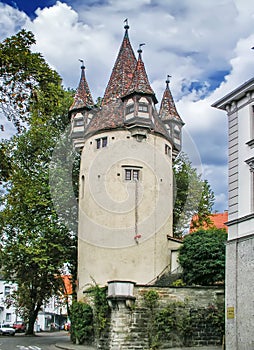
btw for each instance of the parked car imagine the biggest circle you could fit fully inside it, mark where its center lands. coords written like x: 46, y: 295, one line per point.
x: 19, y: 326
x: 6, y: 329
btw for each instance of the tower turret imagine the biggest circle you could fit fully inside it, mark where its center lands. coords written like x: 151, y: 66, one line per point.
x: 81, y: 110
x: 171, y: 119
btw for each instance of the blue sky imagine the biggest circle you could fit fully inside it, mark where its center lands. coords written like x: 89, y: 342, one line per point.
x: 204, y: 45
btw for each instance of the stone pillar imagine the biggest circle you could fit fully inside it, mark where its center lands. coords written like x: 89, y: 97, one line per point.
x: 126, y: 331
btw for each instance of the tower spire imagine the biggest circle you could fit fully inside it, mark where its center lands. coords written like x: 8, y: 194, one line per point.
x: 167, y: 108
x: 122, y: 72
x: 83, y: 97
x: 140, y: 82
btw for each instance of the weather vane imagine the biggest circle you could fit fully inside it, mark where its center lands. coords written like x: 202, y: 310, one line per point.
x: 82, y: 61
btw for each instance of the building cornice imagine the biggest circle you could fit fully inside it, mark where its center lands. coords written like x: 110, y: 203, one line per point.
x: 235, y: 95
x: 239, y: 220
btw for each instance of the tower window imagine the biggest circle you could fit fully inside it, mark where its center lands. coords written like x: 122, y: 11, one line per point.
x: 132, y: 174
x: 102, y: 142
x: 98, y: 143
x: 167, y: 150
x: 143, y: 107
x: 130, y: 109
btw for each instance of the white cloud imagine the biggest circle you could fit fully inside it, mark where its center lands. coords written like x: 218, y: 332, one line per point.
x: 11, y: 20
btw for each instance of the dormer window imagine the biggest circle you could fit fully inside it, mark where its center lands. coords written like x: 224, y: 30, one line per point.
x: 143, y: 107
x: 130, y: 109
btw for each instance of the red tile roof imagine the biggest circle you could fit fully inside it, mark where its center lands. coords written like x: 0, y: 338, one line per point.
x: 217, y: 220
x: 167, y: 108
x: 67, y: 280
x: 140, y: 82
x: 122, y: 72
x: 83, y: 97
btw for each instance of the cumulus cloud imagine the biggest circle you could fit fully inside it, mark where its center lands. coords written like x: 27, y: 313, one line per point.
x: 11, y: 20
x: 206, y: 52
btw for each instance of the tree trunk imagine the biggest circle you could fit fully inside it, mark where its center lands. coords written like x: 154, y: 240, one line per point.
x: 32, y: 318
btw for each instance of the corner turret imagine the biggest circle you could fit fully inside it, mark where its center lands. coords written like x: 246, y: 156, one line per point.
x: 171, y: 119
x: 81, y: 110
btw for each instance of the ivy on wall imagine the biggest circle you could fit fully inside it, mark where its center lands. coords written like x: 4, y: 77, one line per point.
x: 179, y: 322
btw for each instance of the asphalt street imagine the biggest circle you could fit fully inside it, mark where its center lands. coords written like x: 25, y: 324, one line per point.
x: 41, y: 341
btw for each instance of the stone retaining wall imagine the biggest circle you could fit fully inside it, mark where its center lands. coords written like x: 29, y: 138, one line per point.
x: 129, y: 320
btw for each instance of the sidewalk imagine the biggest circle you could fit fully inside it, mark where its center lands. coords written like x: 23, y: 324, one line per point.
x: 69, y: 346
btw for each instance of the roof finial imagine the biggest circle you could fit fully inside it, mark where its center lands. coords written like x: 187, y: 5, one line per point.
x: 82, y: 63
x: 139, y: 49
x: 126, y: 27
x: 168, y: 80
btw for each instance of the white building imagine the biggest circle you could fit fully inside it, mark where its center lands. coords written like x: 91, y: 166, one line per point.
x: 53, y: 312
x: 7, y: 314
x: 239, y: 105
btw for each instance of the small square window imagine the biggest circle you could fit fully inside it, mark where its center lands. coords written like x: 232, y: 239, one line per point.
x: 132, y: 174
x: 102, y: 142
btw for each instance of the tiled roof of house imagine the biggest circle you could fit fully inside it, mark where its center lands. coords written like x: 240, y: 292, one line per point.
x: 83, y: 97
x: 168, y: 109
x: 218, y: 220
x: 67, y: 280
x: 140, y: 82
x: 122, y: 72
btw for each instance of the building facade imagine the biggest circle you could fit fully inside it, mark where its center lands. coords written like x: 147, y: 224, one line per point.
x: 52, y: 314
x: 7, y: 313
x: 126, y: 183
x: 239, y: 105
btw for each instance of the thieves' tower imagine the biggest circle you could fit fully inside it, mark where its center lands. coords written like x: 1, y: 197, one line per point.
x: 126, y: 191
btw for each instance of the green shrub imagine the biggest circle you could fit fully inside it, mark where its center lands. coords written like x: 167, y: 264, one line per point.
x: 81, y: 316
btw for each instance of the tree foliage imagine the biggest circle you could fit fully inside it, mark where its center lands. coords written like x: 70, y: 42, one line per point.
x: 192, y: 196
x: 25, y: 79
x: 36, y: 243
x: 202, y: 257
x: 81, y: 323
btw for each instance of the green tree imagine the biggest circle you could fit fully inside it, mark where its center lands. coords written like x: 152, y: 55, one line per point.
x: 25, y: 77
x: 202, y: 257
x: 192, y: 196
x: 36, y: 243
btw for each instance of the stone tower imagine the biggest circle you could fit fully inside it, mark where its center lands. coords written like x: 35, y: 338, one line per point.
x: 126, y: 184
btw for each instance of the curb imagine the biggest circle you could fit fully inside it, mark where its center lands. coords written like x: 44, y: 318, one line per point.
x: 72, y: 347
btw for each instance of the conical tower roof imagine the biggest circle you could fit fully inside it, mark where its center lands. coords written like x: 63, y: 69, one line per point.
x: 140, y: 82
x: 83, y: 97
x: 122, y: 72
x: 167, y: 108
